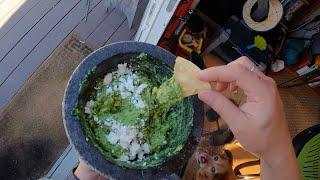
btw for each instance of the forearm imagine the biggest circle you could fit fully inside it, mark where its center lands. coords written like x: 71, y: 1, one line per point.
x: 280, y: 163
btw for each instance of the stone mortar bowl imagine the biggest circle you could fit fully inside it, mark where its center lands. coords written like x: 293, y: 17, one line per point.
x: 108, y: 57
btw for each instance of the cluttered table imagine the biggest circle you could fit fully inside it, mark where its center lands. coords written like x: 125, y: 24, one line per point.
x: 294, y: 74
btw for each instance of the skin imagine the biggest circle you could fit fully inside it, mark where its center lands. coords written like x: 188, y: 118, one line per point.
x: 260, y: 126
x: 84, y: 172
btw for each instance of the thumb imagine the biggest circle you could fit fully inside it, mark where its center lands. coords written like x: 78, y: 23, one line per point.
x: 222, y: 105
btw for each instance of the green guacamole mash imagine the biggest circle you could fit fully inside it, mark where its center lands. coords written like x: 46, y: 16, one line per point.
x: 135, y: 115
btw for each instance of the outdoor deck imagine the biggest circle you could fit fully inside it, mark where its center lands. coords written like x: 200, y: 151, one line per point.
x: 30, y: 30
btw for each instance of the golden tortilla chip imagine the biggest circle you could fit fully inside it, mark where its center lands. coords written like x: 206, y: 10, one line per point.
x: 185, y: 73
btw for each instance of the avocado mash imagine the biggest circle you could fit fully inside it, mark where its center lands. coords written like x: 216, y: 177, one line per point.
x: 135, y: 115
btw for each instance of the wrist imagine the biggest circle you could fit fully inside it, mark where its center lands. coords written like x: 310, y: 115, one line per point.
x: 279, y: 162
x: 278, y: 155
x: 279, y: 143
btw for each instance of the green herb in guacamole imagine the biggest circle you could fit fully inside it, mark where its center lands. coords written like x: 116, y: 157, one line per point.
x: 135, y: 115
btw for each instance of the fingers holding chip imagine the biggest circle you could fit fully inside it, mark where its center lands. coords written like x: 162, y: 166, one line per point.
x: 185, y: 73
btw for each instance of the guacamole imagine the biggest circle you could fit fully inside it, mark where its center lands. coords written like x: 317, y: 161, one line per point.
x: 135, y: 115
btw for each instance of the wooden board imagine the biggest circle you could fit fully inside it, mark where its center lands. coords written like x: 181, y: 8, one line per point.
x: 37, y: 29
x: 100, y: 35
x: 7, y: 6
x: 33, y: 50
x: 64, y: 165
x: 95, y: 18
x: 7, y: 24
x: 124, y: 33
x: 16, y: 45
x: 27, y: 23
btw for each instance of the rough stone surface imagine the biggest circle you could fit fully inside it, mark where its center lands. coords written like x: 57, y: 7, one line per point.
x: 87, y: 151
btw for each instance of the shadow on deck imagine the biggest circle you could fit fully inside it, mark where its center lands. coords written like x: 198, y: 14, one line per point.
x: 31, y: 133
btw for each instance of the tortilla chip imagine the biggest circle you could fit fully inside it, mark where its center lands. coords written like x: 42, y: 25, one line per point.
x: 185, y: 73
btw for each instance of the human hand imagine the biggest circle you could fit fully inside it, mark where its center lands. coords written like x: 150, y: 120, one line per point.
x: 259, y: 124
x: 84, y: 172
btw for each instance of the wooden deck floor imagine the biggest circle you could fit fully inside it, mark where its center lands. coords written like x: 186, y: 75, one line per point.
x: 30, y: 30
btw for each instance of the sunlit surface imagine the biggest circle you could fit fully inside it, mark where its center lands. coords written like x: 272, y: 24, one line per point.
x: 8, y: 8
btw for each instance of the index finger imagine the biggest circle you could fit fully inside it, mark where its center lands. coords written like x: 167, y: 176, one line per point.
x: 244, y: 78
